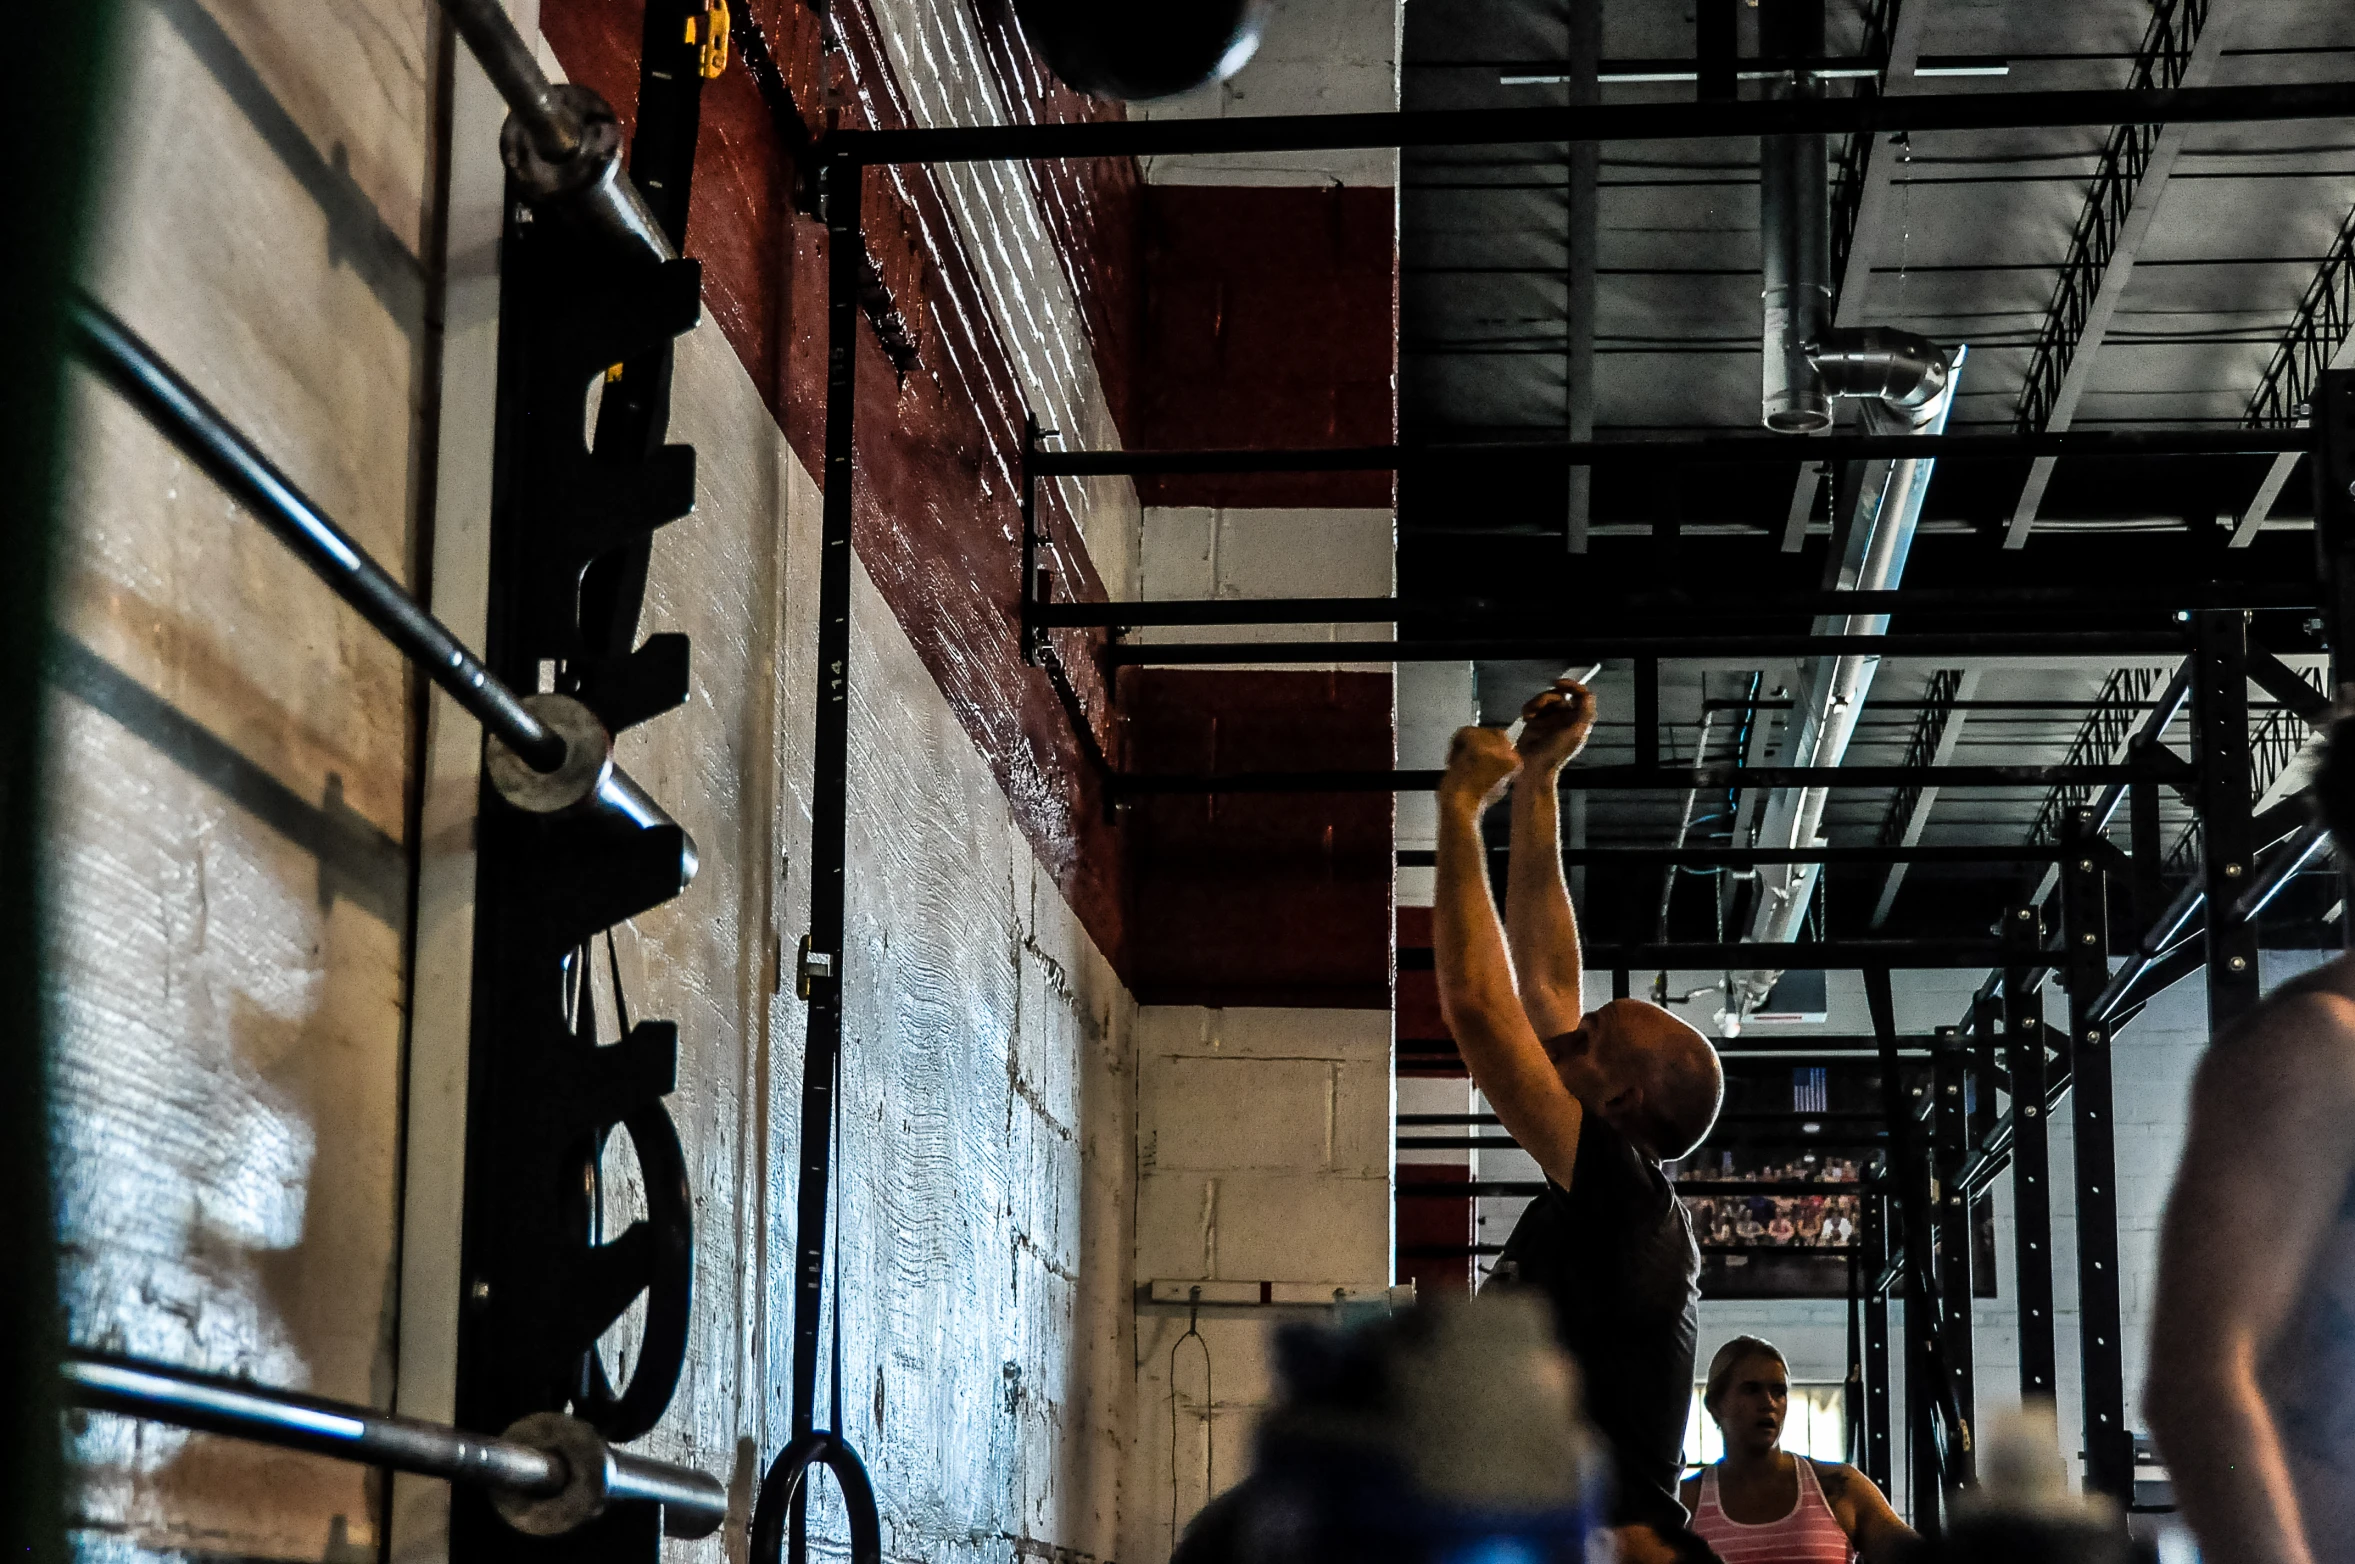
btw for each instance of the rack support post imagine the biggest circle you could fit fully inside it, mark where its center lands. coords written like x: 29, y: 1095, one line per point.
x: 2220, y: 727
x: 2109, y: 1450
x: 2023, y: 1030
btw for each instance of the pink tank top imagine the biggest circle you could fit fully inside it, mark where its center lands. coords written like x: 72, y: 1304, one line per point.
x: 1810, y: 1534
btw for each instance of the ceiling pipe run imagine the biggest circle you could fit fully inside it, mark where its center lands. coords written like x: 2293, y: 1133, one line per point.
x: 1907, y: 385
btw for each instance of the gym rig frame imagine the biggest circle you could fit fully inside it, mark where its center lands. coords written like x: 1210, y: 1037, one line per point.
x: 1944, y: 1144
x: 570, y: 845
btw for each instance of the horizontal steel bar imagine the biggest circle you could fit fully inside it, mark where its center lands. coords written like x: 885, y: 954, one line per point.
x: 1709, y: 450
x: 1983, y: 645
x: 1877, y: 114
x: 1754, y: 857
x: 1735, y: 1053
x: 1993, y: 602
x: 1506, y: 1188
x: 1635, y: 779
x: 194, y: 425
x: 694, y: 1503
x: 1844, y: 955
x: 1471, y: 1251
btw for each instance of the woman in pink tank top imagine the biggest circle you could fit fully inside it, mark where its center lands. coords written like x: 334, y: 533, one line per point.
x: 1763, y: 1505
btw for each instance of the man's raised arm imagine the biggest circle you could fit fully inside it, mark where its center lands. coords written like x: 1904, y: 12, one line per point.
x: 1538, y: 918
x: 1476, y: 993
x: 2264, y: 1169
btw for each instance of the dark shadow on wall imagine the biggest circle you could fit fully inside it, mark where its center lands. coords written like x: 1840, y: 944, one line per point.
x: 356, y: 860
x: 357, y: 234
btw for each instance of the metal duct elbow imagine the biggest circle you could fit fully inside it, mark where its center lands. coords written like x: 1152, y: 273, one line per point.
x: 1905, y: 373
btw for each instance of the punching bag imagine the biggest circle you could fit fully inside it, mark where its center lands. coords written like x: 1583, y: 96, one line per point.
x: 1134, y: 49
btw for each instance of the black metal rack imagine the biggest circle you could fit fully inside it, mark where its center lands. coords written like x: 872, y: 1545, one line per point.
x: 1909, y: 1242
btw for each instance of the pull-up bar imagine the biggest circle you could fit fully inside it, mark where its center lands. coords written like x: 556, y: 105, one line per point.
x: 1615, y: 122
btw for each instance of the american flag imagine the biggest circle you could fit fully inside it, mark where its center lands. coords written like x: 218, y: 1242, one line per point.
x: 1809, y: 1092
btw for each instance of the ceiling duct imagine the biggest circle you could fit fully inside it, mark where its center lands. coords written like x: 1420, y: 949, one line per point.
x: 1906, y: 385
x: 1794, y: 231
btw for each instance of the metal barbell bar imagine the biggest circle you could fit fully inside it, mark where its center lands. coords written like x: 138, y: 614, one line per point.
x: 546, y: 753
x: 547, y: 1474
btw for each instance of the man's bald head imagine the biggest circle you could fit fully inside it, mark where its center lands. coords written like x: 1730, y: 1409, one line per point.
x: 1653, y: 1077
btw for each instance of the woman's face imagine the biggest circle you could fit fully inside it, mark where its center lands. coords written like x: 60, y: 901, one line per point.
x: 1750, y: 1409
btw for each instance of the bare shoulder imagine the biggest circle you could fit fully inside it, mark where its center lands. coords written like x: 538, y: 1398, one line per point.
x: 1844, y: 1485
x: 2299, y: 1043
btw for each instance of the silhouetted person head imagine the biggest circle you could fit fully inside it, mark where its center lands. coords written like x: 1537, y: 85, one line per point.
x: 1648, y: 1075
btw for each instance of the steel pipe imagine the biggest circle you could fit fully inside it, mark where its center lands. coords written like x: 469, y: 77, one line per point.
x: 1879, y: 114
x: 198, y: 429
x: 546, y: 752
x: 540, y: 1471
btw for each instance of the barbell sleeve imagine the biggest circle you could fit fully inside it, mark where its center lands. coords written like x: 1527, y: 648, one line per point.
x: 562, y: 141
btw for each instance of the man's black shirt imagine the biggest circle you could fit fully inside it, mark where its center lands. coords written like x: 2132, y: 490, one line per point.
x: 1615, y: 1254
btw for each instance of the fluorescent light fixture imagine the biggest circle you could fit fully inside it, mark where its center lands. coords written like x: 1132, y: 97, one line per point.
x: 1559, y: 78
x: 1961, y: 65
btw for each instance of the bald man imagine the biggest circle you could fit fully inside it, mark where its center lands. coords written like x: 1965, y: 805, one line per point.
x: 1599, y: 1100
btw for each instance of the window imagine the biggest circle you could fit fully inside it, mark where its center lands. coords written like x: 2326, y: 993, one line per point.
x: 1816, y: 1426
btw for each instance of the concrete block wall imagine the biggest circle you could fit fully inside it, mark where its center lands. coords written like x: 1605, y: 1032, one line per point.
x: 1263, y: 1156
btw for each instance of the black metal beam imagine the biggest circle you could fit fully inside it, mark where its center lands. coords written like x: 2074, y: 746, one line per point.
x: 1979, y: 644
x: 1751, y: 857
x: 821, y: 968
x: 2109, y: 1448
x: 1631, y: 779
x: 1510, y: 1188
x: 2023, y: 1025
x: 2066, y: 604
x: 2220, y: 729
x: 1873, y: 1239
x: 1705, y: 450
x: 1844, y: 955
x: 2180, y: 47
x: 1949, y: 1149
x: 2272, y: 102
x: 2320, y: 337
x: 1940, y: 1435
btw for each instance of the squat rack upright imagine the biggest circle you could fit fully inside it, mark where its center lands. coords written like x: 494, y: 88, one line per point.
x: 2009, y: 1045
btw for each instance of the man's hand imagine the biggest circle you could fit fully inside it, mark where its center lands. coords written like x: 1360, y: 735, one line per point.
x: 1554, y: 726
x: 1479, y: 763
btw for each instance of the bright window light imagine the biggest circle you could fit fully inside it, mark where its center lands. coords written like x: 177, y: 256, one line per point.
x: 1817, y: 1426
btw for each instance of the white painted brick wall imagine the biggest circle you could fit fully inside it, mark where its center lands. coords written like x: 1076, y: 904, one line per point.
x: 936, y: 52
